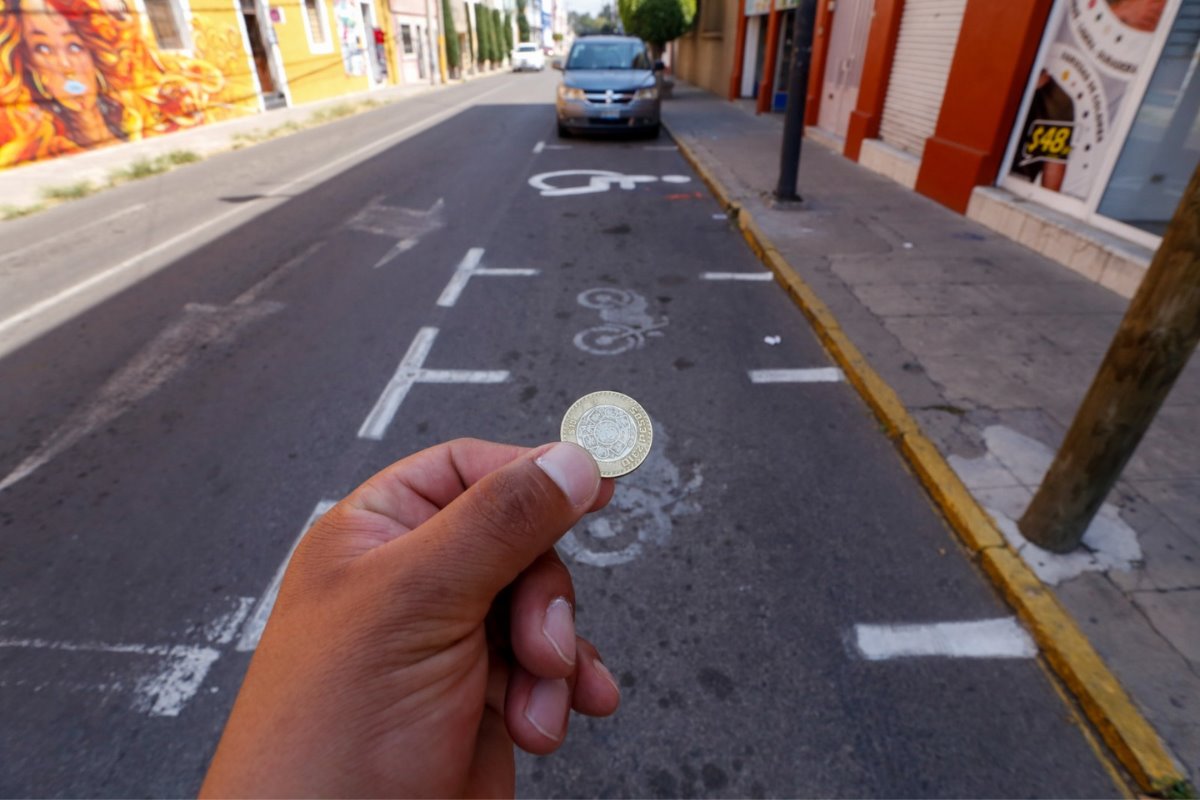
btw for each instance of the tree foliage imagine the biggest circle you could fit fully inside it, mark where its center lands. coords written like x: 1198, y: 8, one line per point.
x: 657, y: 21
x: 585, y: 24
x: 523, y: 31
x: 508, y: 38
x: 453, y: 56
x: 482, y: 18
x: 497, y: 23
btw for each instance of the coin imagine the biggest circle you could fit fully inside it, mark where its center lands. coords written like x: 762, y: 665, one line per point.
x: 611, y: 426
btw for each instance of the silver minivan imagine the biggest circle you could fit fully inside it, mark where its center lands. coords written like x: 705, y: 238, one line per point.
x: 609, y: 84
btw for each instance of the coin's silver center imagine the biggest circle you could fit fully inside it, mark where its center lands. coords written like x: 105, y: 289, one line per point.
x: 607, y: 432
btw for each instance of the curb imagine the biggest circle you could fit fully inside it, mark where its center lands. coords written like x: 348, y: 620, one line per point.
x: 1105, y: 702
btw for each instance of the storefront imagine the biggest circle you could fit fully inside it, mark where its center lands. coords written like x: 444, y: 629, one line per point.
x: 1107, y: 131
x: 767, y: 52
x: 850, y: 21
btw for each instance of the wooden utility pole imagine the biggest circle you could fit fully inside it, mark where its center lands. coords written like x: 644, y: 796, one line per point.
x: 1152, y: 346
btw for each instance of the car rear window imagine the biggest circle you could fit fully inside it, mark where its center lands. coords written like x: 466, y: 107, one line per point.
x: 527, y: 48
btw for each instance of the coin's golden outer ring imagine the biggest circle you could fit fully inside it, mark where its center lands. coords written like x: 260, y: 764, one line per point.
x: 613, y: 427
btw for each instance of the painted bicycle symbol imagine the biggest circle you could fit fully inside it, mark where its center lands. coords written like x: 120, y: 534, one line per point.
x: 626, y: 325
x: 550, y: 184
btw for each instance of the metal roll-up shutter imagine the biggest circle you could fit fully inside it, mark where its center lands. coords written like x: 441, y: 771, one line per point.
x: 924, y: 50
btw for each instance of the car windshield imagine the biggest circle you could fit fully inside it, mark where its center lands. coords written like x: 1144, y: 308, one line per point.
x: 608, y: 55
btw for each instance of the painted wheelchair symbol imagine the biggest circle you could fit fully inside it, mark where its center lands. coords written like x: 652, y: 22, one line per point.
x: 554, y: 184
x: 626, y: 325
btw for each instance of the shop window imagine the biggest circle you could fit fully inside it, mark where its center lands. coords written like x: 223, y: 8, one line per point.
x: 316, y: 26
x: 166, y: 22
x: 406, y: 39
x: 1163, y: 146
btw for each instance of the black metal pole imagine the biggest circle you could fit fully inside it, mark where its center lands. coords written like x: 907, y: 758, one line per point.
x: 793, y: 123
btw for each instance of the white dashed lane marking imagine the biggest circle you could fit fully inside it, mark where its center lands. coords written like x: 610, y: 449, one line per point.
x: 985, y: 638
x: 816, y: 375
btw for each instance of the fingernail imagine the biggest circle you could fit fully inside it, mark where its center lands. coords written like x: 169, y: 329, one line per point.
x: 608, y: 676
x: 574, y: 471
x: 559, y: 628
x: 547, y: 707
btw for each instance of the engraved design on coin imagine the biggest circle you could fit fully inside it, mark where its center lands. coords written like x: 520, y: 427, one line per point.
x: 607, y: 432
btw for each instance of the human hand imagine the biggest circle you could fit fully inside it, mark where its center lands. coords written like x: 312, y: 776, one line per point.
x: 424, y: 626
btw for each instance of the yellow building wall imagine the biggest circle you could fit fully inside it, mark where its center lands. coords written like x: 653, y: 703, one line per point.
x: 315, y: 73
x: 79, y: 74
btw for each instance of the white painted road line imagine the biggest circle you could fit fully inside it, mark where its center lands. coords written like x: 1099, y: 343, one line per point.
x: 74, y: 231
x: 539, y: 147
x: 253, y: 630
x: 469, y: 268
x: 986, y: 638
x: 280, y: 193
x: 410, y: 372
x: 817, y: 375
x: 737, y: 276
x: 160, y: 694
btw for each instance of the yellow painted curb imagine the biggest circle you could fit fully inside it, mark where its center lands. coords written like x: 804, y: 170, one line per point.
x: 1070, y: 654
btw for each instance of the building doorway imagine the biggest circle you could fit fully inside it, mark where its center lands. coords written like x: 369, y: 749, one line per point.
x: 264, y: 68
x: 844, y: 64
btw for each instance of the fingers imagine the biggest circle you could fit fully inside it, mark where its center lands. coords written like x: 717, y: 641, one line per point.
x: 537, y: 710
x: 542, y: 618
x: 466, y: 553
x: 596, y: 692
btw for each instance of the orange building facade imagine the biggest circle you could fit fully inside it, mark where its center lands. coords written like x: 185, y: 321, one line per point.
x: 1089, y: 108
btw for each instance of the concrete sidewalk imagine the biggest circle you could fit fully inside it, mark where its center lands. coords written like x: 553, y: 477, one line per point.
x: 26, y: 185
x: 991, y: 347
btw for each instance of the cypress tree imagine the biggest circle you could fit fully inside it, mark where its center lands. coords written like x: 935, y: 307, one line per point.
x: 453, y: 56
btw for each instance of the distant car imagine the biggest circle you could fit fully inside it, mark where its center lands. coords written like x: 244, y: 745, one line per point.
x: 528, y: 55
x: 609, y: 83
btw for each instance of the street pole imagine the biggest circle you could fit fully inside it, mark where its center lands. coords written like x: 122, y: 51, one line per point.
x: 1158, y: 334
x: 793, y: 123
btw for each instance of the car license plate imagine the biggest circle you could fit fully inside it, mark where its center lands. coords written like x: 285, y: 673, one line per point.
x: 610, y: 113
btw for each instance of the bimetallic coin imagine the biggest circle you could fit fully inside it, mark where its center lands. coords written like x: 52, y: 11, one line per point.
x: 611, y: 426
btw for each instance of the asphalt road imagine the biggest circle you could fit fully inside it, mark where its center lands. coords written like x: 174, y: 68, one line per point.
x: 183, y: 383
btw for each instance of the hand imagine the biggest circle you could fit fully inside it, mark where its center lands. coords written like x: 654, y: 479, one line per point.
x: 424, y: 626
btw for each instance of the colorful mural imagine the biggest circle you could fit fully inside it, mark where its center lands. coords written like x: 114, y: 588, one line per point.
x: 77, y: 74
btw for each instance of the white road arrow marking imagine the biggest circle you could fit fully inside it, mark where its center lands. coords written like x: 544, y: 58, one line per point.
x: 411, y: 372
x: 157, y: 363
x: 406, y: 225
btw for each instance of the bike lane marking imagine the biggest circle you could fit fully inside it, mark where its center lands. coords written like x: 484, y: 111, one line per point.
x: 814, y: 375
x: 411, y: 372
x: 985, y: 638
x: 469, y: 268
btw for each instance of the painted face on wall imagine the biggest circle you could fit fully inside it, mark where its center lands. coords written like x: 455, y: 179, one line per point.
x: 58, y: 57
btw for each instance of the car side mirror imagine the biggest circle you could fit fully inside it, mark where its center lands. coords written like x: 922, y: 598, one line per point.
x: 556, y: 64
x: 659, y: 66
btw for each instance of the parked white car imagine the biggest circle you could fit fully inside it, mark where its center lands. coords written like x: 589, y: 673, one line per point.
x: 528, y: 55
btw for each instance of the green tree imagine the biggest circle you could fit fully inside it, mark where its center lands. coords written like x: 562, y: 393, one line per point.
x: 498, y: 36
x: 508, y: 42
x: 453, y: 56
x: 470, y: 39
x: 522, y: 21
x: 657, y: 21
x: 482, y: 17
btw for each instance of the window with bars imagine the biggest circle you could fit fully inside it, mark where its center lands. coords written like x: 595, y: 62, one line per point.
x: 316, y: 25
x: 406, y: 39
x: 164, y: 20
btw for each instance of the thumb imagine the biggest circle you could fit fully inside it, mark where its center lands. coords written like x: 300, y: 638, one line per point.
x: 478, y: 544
